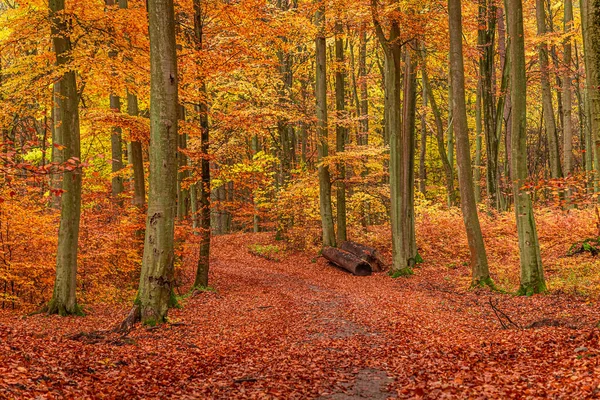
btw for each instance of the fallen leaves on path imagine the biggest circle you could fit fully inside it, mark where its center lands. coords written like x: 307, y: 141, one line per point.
x: 302, y: 329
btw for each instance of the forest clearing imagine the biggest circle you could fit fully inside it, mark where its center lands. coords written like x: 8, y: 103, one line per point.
x: 324, y: 199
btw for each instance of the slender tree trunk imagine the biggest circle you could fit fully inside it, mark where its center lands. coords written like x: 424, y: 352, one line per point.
x: 423, y: 144
x: 340, y: 130
x: 439, y: 130
x: 567, y: 92
x: 137, y: 158
x: 66, y: 124
x: 402, y: 259
x: 408, y: 167
x: 548, y: 109
x: 57, y: 156
x: 116, y: 145
x: 485, y: 41
x: 183, y: 193
x: 532, y: 273
x: 590, y: 22
x: 116, y: 141
x: 479, y: 265
x: 155, y: 294
x: 323, y: 148
x: 478, y: 144
x: 364, y: 94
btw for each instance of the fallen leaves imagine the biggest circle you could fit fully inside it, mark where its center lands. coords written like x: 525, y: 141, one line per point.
x: 297, y: 329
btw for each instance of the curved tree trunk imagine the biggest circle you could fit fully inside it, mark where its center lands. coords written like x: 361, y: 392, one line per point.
x: 479, y: 265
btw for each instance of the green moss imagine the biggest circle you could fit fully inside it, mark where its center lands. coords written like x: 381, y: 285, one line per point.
x: 531, y: 289
x: 173, y: 303
x: 401, y: 272
x: 201, y: 289
x: 486, y: 282
x: 418, y: 259
x: 151, y: 322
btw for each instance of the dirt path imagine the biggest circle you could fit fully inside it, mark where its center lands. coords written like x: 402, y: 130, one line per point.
x: 302, y: 329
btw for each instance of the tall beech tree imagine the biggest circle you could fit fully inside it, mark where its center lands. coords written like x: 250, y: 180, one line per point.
x: 155, y: 293
x: 590, y: 23
x: 66, y: 125
x: 203, y: 266
x: 322, y: 145
x: 340, y: 130
x: 532, y: 273
x: 404, y: 251
x: 479, y: 265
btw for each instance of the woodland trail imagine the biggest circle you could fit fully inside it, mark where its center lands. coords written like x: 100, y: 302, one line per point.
x: 300, y: 328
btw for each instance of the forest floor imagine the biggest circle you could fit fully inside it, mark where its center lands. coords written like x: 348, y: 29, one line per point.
x: 300, y: 328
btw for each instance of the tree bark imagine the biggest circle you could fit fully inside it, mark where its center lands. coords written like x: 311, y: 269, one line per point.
x: 66, y: 125
x: 590, y: 22
x: 137, y: 158
x: 340, y: 130
x: 548, y: 109
x: 402, y: 259
x: 479, y: 265
x: 322, y: 128
x: 155, y: 294
x: 439, y: 136
x: 567, y: 92
x: 485, y: 42
x: 532, y: 273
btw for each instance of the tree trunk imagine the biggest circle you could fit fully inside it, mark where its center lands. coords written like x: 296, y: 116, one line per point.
x: 155, y: 294
x: 347, y: 261
x: 478, y: 144
x: 548, y: 109
x: 485, y: 41
x: 340, y: 130
x: 532, y: 274
x: 183, y: 194
x: 408, y: 166
x: 116, y: 141
x: 479, y: 265
x: 116, y: 145
x: 364, y: 94
x: 66, y: 124
x: 439, y: 131
x: 567, y: 92
x: 590, y: 22
x: 423, y: 144
x: 137, y: 158
x: 323, y: 148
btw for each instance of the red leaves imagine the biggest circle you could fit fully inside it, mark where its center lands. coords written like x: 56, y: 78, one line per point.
x: 298, y: 329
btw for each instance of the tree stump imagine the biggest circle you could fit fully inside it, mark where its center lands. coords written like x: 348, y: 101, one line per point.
x: 347, y: 261
x: 366, y: 253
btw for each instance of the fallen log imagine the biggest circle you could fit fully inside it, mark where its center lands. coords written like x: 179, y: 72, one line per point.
x: 366, y: 253
x: 347, y: 261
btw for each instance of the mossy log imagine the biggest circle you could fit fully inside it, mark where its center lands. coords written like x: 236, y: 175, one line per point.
x: 366, y: 253
x: 347, y: 261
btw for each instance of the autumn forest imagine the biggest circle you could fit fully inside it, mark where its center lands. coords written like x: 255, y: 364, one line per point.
x: 299, y: 199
